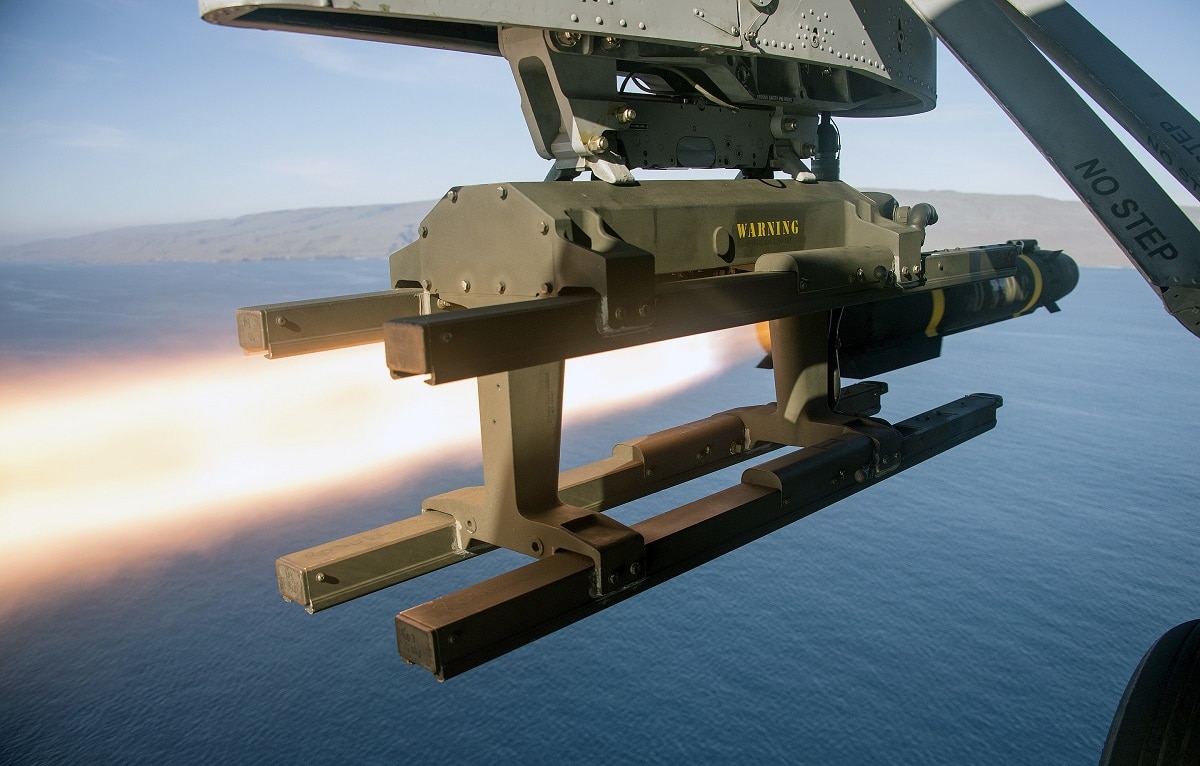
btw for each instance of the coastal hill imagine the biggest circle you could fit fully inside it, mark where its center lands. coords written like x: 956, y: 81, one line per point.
x: 375, y: 231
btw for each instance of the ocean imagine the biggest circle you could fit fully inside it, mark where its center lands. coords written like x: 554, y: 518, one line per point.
x: 985, y: 607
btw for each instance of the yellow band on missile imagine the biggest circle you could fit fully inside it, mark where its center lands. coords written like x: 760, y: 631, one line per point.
x: 1037, y: 285
x: 935, y: 317
x: 763, y: 329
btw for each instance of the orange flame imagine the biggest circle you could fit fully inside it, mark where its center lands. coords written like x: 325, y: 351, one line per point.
x: 156, y: 457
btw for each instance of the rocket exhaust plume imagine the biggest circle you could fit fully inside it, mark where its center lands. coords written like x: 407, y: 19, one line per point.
x: 154, y: 457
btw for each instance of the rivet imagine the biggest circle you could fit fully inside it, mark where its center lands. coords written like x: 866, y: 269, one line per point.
x: 320, y: 577
x: 280, y: 321
x: 635, y: 569
x: 623, y: 23
x: 574, y: 17
x: 447, y: 337
x: 641, y: 25
x: 644, y: 310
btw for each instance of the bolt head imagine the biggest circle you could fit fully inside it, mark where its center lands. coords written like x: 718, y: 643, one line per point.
x: 568, y: 39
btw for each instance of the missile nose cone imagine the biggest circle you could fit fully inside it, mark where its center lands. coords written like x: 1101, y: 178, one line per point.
x: 1060, y: 272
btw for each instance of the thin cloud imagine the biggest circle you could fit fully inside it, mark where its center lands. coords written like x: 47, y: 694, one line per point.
x: 328, y: 173
x: 336, y: 56
x: 95, y: 136
x: 382, y: 62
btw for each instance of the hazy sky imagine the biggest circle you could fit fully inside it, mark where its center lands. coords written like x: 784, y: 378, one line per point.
x: 119, y: 112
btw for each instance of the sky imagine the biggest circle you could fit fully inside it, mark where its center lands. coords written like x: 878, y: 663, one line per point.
x: 127, y: 112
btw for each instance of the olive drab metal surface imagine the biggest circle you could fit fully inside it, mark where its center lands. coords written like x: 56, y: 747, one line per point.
x: 508, y: 280
x: 611, y: 86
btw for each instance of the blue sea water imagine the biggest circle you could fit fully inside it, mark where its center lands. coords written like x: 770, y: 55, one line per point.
x: 986, y: 607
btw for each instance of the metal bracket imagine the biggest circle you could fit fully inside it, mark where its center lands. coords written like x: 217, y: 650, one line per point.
x: 518, y: 507
x: 765, y: 9
x: 717, y: 22
x: 806, y: 388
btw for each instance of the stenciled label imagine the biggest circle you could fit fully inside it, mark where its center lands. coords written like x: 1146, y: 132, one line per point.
x: 1142, y: 229
x: 753, y: 229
